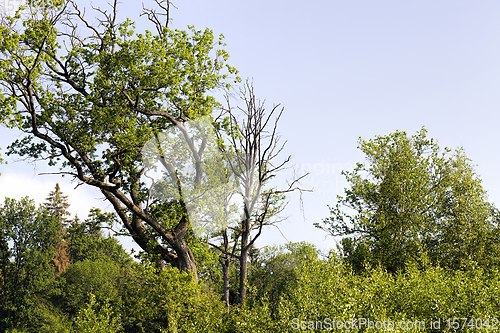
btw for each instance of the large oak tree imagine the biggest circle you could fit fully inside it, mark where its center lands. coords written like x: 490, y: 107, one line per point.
x: 89, y: 96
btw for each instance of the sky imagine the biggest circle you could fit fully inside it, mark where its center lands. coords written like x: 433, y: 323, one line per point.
x: 342, y: 70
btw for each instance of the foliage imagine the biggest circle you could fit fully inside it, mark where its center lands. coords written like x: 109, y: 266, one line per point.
x: 274, y: 272
x: 411, y: 199
x: 168, y: 213
x: 102, y: 278
x: 287, y: 285
x: 99, y: 93
x: 57, y: 204
x: 424, y: 242
x: 174, y: 294
x: 250, y: 144
x: 95, y: 318
x: 329, y: 289
x: 87, y: 242
x: 28, y: 235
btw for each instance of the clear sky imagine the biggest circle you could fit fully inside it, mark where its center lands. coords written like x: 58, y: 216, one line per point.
x: 342, y: 69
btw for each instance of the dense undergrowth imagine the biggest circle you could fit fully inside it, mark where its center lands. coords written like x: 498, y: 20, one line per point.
x: 309, y: 295
x: 67, y: 276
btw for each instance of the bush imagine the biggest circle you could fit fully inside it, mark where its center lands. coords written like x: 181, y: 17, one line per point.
x: 331, y: 290
x: 102, y: 278
x: 96, y: 318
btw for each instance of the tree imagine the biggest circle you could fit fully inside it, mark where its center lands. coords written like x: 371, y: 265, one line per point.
x: 29, y: 235
x: 87, y: 242
x: 410, y: 199
x: 275, y: 271
x: 251, y: 146
x: 235, y: 159
x: 90, y: 96
x: 101, y: 278
x: 468, y: 232
x: 57, y: 204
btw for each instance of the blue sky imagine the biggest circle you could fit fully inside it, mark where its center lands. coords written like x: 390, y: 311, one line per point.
x: 343, y: 69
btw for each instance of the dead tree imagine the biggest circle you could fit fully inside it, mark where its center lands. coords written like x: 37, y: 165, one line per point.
x: 251, y: 147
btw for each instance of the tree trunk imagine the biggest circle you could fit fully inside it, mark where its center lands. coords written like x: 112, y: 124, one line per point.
x: 226, y: 261
x: 185, y: 258
x: 225, y: 278
x: 243, y: 262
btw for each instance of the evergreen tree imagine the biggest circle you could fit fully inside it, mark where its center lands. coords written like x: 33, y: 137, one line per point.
x: 57, y: 204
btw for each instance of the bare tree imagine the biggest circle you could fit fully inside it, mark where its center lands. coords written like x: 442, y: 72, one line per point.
x: 251, y: 150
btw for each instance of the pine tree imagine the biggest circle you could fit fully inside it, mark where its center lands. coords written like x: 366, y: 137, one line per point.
x: 57, y: 204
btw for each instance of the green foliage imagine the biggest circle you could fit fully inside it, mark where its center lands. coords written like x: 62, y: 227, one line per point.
x: 57, y: 204
x: 168, y: 213
x: 207, y: 262
x: 174, y: 294
x: 273, y: 273
x: 287, y: 285
x: 86, y: 241
x: 32, y: 299
x: 97, y: 318
x: 101, y: 93
x: 182, y: 306
x: 102, y: 278
x: 410, y: 199
x: 172, y: 71
x: 329, y: 289
x: 28, y: 236
x: 356, y: 253
x: 100, y: 100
